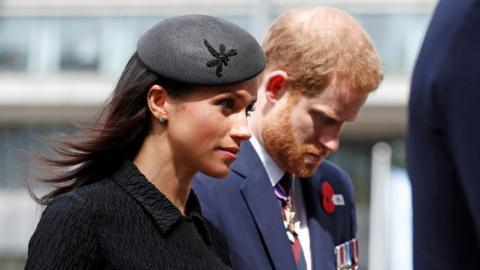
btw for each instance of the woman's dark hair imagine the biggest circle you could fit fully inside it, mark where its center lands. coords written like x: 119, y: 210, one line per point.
x: 118, y: 133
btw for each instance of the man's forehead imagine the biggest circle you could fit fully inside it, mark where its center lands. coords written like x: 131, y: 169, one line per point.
x: 337, y: 103
x: 317, y: 90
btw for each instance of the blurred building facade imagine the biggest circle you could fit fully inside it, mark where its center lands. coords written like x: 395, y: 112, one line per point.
x: 59, y: 61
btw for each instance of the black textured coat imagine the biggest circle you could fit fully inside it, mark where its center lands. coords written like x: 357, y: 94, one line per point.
x: 124, y: 222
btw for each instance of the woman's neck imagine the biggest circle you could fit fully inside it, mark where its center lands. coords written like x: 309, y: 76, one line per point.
x: 156, y: 162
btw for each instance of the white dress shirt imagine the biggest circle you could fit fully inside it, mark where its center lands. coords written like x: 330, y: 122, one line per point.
x: 275, y: 173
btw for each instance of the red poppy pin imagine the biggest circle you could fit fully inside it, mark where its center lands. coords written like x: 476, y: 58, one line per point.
x: 327, y: 198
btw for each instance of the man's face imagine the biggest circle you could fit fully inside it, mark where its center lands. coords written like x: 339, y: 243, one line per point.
x: 300, y: 131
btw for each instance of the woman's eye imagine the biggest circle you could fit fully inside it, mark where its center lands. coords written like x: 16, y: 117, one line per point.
x: 227, y: 104
x: 250, y: 108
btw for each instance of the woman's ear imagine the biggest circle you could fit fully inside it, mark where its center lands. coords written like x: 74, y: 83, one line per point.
x: 275, y: 84
x: 157, y: 98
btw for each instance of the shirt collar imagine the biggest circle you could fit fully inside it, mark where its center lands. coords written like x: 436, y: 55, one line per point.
x: 274, y: 172
x: 165, y: 214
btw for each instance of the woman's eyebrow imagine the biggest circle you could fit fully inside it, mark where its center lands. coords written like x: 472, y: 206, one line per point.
x: 244, y: 96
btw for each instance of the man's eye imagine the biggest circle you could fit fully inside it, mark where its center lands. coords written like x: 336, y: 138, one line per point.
x: 325, y: 120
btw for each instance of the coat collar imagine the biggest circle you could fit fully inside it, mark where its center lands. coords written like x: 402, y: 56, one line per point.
x: 155, y: 203
x: 264, y: 207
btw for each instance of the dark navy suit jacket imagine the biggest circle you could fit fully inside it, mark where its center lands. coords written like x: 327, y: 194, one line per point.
x: 244, y: 207
x: 443, y: 145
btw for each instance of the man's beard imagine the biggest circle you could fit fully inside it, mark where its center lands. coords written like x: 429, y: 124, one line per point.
x: 285, y: 149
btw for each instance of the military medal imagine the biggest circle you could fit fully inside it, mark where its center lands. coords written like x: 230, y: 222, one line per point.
x: 347, y: 255
x: 288, y: 213
x: 290, y: 220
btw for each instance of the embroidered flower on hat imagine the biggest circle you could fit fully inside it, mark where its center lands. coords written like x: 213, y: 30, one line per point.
x: 327, y: 198
x: 221, y: 57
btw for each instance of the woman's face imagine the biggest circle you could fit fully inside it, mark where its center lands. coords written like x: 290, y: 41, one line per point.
x: 206, y: 127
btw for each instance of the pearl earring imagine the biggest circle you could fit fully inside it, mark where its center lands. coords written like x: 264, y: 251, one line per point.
x: 162, y: 119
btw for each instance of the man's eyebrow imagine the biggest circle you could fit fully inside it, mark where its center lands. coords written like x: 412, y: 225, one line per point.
x: 326, y: 116
x: 333, y: 118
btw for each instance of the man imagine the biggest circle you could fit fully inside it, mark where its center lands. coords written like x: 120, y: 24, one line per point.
x: 321, y: 66
x: 443, y: 144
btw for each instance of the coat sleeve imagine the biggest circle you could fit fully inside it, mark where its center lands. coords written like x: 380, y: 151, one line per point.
x: 64, y: 237
x: 460, y: 95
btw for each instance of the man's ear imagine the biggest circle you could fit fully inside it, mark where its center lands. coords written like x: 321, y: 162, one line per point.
x: 275, y: 84
x: 157, y: 97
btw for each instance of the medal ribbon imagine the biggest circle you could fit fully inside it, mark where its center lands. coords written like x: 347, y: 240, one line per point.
x: 283, y: 191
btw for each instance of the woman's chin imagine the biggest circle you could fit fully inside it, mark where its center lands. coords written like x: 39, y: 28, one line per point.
x: 218, y: 172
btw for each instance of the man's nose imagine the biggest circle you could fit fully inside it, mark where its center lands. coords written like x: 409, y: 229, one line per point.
x: 330, y: 138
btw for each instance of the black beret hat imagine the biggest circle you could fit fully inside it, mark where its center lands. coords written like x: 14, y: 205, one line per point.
x: 201, y: 50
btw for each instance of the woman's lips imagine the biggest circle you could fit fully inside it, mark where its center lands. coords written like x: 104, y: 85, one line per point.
x: 230, y: 152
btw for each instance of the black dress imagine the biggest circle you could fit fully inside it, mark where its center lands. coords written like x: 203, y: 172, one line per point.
x: 124, y: 222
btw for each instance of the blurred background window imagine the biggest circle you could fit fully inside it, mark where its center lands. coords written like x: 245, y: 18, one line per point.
x: 396, y: 37
x: 18, y: 144
x: 14, y: 42
x: 80, y: 44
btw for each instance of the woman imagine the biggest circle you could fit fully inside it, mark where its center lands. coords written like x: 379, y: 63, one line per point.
x: 179, y: 108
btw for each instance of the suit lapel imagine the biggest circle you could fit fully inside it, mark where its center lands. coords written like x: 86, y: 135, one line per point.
x: 264, y: 208
x: 321, y: 242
